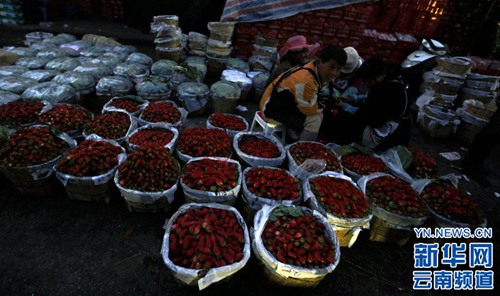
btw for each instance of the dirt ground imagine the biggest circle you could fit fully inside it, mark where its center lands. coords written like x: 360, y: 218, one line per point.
x: 56, y: 246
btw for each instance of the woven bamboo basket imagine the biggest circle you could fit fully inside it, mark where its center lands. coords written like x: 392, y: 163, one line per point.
x: 454, y: 65
x: 446, y: 88
x: 485, y: 112
x: 436, y: 130
x: 384, y: 231
x: 466, y: 132
x: 229, y: 202
x: 24, y: 183
x: 86, y: 190
x: 223, y: 105
x: 274, y: 278
x: 173, y: 54
x: 160, y: 205
x: 346, y: 236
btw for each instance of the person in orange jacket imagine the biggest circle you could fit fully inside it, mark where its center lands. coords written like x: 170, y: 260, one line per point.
x: 292, y: 98
x: 294, y: 52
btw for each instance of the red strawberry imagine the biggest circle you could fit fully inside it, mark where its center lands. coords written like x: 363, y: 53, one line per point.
x: 272, y: 183
x: 227, y: 121
x: 66, y: 117
x: 197, y: 142
x: 396, y: 196
x: 20, y: 112
x: 297, y: 238
x: 90, y: 158
x: 109, y: 125
x: 149, y: 170
x: 363, y: 164
x: 35, y: 145
x: 339, y: 197
x: 301, y: 151
x: 206, y: 237
x: 210, y: 175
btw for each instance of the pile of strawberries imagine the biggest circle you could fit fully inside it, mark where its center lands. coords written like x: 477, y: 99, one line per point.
x: 208, y: 174
x: 20, y: 112
x: 452, y: 203
x: 151, y: 137
x: 258, y: 147
x: 227, y: 121
x: 206, y: 237
x: 131, y: 104
x: 422, y: 165
x: 294, y: 237
x: 272, y: 183
x: 109, y: 125
x: 363, y: 164
x: 305, y: 150
x: 396, y: 196
x: 90, y: 158
x: 199, y: 141
x: 149, y: 170
x: 161, y: 112
x: 31, y: 146
x: 339, y: 197
x: 66, y: 118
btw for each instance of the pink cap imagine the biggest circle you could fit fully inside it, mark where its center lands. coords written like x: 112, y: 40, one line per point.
x: 298, y: 43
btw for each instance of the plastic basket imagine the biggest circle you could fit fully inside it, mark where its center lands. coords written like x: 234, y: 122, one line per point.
x: 436, y: 125
x: 383, y: 231
x: 484, y: 112
x: 273, y: 277
x: 173, y: 54
x: 347, y: 236
x: 87, y: 190
x: 454, y: 65
x: 223, y: 105
x: 466, y: 132
x: 160, y: 205
x: 24, y: 183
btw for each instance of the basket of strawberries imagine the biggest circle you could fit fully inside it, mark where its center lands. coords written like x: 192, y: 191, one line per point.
x: 67, y: 118
x: 450, y: 206
x: 342, y: 202
x: 200, y: 142
x: 211, y: 179
x: 147, y: 180
x: 309, y: 158
x: 162, y: 111
x: 230, y: 123
x: 21, y: 112
x: 205, y: 243
x: 153, y: 135
x: 296, y: 245
x: 259, y: 149
x: 396, y: 207
x: 113, y: 125
x: 87, y: 171
x: 130, y: 103
x: 269, y: 186
x: 409, y: 163
x: 28, y: 156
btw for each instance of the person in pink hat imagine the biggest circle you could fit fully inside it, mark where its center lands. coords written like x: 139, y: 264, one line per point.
x: 293, y: 53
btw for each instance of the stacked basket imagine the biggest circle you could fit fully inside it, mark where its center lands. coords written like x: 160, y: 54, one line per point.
x: 479, y: 105
x: 265, y: 53
x: 396, y: 208
x: 219, y: 46
x: 197, y: 44
x: 168, y: 37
